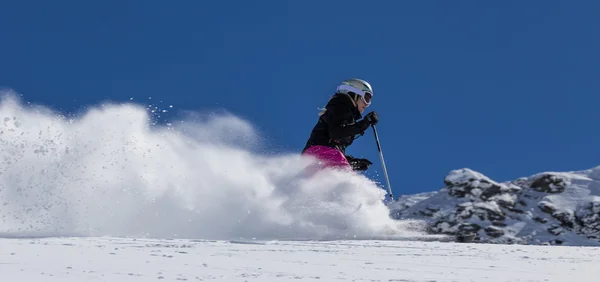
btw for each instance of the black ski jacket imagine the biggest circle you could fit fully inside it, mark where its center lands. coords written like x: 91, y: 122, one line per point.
x: 338, y: 127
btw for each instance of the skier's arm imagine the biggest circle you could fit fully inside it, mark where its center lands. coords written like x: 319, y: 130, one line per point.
x: 342, y: 125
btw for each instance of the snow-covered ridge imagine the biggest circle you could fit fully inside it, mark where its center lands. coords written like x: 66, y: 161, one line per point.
x: 557, y: 208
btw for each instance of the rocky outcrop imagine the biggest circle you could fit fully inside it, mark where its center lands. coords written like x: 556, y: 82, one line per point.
x: 547, y: 208
x: 548, y: 184
x: 587, y: 220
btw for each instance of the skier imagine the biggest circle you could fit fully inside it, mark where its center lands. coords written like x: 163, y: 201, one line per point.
x: 338, y: 127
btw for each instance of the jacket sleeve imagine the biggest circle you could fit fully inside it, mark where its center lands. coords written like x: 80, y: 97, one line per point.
x: 341, y: 122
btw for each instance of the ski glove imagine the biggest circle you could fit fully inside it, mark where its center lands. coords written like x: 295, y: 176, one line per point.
x: 372, y: 118
x: 358, y: 164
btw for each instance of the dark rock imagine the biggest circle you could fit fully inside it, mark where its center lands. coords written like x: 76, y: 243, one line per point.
x: 588, y: 219
x: 493, y: 231
x: 468, y: 228
x: 549, y: 183
x: 463, y: 212
x: 442, y: 227
x: 547, y: 207
x: 556, y: 242
x: 498, y: 223
x: 459, y: 191
x: 466, y: 238
x: 556, y: 230
x: 516, y: 210
x: 505, y: 204
x: 464, y: 186
x: 467, y: 210
x: 490, y: 214
x: 566, y: 219
x: 492, y: 191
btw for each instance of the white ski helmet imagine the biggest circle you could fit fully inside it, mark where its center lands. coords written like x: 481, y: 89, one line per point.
x: 358, y: 86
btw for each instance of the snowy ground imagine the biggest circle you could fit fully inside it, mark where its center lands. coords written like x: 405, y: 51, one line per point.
x: 67, y: 181
x: 116, y: 259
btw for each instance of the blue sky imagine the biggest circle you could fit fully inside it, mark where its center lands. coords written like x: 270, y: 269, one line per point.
x: 507, y: 88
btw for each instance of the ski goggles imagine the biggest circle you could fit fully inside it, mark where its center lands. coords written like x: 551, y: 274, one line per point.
x: 366, y: 96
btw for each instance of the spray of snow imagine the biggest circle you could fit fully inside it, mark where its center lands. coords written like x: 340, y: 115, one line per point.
x: 110, y: 172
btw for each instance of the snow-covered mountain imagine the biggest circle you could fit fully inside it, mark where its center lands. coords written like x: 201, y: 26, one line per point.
x: 556, y: 208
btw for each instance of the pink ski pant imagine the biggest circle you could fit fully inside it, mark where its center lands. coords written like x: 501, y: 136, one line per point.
x: 328, y: 157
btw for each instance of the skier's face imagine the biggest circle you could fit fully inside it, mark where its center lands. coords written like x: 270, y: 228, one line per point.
x: 361, y: 105
x: 364, y: 102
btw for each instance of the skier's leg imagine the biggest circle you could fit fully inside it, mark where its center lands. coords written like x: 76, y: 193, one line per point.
x: 329, y: 157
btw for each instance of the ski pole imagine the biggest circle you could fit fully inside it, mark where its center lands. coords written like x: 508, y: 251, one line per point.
x: 387, y: 179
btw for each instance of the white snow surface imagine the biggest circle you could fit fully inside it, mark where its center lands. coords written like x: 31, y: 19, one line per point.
x: 109, y: 195
x: 123, y: 259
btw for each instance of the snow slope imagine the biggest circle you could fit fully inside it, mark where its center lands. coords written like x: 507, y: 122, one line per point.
x: 115, y: 260
x: 111, y: 196
x: 545, y: 208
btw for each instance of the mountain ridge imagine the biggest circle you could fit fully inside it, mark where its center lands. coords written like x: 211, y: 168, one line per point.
x: 546, y: 208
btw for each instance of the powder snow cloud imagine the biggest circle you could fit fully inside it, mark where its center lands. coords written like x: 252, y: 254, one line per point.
x: 111, y: 172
